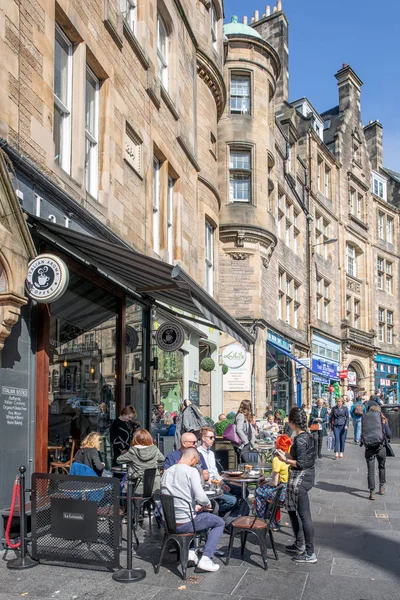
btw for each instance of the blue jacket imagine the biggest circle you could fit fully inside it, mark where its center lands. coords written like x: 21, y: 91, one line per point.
x: 352, y: 415
x: 339, y: 416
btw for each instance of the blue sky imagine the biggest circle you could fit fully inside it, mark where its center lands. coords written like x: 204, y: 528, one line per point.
x: 324, y: 34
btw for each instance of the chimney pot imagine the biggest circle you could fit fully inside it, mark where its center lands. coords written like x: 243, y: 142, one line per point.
x: 279, y: 5
x: 268, y: 10
x: 274, y: 10
x: 245, y: 20
x: 256, y: 15
x: 252, y: 20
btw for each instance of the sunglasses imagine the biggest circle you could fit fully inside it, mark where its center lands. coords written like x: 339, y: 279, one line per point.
x: 210, y: 437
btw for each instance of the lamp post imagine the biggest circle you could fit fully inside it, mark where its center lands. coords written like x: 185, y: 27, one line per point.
x: 325, y: 243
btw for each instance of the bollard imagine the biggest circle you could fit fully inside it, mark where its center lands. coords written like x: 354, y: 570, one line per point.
x: 129, y: 575
x: 24, y: 561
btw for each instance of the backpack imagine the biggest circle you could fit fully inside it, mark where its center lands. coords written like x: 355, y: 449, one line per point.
x: 241, y: 509
x: 371, y: 429
x: 358, y: 409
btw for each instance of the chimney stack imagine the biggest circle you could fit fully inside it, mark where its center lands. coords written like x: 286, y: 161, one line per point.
x: 374, y: 138
x: 349, y: 88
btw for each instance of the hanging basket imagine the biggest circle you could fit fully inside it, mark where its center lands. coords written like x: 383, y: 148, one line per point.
x: 207, y: 364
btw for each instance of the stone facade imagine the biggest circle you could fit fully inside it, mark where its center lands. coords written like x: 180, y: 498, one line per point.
x: 165, y: 129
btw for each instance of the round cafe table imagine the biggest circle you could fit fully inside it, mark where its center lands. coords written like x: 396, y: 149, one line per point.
x: 214, y: 494
x: 243, y: 482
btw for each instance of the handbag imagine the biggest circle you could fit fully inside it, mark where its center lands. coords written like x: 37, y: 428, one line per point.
x: 314, y: 427
x: 330, y: 442
x: 389, y: 450
x: 230, y: 434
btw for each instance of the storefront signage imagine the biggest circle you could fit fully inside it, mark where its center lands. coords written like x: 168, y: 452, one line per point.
x: 279, y: 341
x: 352, y: 378
x: 234, y: 356
x: 15, y: 405
x: 131, y: 339
x: 47, y: 278
x: 194, y: 392
x: 390, y: 360
x: 170, y: 337
x: 343, y: 374
x: 325, y: 368
x: 239, y: 379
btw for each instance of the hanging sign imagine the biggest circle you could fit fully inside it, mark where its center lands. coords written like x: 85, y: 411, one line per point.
x: 343, y: 374
x: 47, y: 278
x: 234, y: 356
x: 170, y: 337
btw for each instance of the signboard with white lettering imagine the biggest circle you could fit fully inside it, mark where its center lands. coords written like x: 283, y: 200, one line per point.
x: 14, y: 403
x: 47, y: 278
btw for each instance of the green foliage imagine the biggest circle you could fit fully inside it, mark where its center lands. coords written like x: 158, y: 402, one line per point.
x: 221, y: 426
x: 207, y: 364
x: 210, y: 422
x: 224, y: 369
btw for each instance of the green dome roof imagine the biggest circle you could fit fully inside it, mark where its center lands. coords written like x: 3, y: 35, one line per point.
x: 236, y: 28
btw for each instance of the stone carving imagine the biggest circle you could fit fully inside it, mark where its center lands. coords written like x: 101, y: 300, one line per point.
x: 10, y: 308
x: 353, y: 286
x: 239, y: 255
x: 266, y: 259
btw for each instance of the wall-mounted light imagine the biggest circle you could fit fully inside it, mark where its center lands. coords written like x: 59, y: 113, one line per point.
x: 92, y: 370
x: 65, y: 363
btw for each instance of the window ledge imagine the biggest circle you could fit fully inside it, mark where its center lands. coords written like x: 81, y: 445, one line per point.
x: 136, y: 47
x: 358, y: 221
x: 188, y: 152
x: 169, y: 102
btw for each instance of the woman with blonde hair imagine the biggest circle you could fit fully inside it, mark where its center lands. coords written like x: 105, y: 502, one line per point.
x: 89, y: 453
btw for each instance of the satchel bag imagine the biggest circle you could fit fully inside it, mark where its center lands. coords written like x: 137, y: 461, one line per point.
x: 230, y: 434
x: 314, y: 427
x: 389, y: 450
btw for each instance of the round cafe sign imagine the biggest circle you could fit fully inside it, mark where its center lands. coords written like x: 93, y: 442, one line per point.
x: 47, y: 278
x: 170, y: 337
x: 234, y: 356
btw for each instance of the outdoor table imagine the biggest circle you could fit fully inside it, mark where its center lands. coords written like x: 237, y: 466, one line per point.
x: 243, y: 482
x: 57, y: 450
x: 214, y: 494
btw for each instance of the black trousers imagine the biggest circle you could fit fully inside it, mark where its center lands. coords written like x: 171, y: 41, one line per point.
x: 318, y: 437
x: 301, y: 520
x: 378, y: 453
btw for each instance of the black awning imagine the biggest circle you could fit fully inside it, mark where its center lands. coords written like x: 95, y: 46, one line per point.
x: 143, y: 275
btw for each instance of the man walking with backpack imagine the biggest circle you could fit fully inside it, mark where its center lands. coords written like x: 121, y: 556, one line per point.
x: 375, y: 431
x: 356, y: 413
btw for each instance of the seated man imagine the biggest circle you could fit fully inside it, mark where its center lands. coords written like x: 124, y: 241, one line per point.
x: 207, y: 437
x: 188, y: 440
x: 182, y: 480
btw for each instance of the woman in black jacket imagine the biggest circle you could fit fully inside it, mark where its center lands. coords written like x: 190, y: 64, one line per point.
x: 339, y: 423
x: 89, y: 453
x: 301, y: 459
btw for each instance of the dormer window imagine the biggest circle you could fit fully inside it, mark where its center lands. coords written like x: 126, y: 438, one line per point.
x: 379, y: 186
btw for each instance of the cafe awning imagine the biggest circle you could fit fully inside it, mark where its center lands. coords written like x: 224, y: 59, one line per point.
x: 165, y: 284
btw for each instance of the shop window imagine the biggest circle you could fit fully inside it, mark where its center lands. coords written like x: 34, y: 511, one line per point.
x: 62, y: 99
x: 92, y: 133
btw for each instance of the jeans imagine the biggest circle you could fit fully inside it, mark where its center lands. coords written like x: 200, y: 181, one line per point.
x: 302, y: 524
x: 340, y: 433
x: 357, y: 429
x: 380, y: 454
x: 202, y: 521
x: 226, y: 502
x: 318, y: 437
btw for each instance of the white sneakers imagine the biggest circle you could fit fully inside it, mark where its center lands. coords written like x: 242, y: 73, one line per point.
x: 206, y: 564
x: 193, y: 558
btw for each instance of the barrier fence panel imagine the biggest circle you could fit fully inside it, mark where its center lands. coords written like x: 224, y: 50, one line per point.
x: 75, y: 519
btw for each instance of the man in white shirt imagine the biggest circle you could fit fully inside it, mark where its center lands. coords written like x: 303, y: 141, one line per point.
x: 207, y: 437
x: 182, y: 480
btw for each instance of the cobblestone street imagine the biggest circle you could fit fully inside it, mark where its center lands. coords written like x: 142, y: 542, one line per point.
x: 357, y: 542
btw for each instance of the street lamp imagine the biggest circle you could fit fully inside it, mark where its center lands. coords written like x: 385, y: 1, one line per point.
x: 330, y: 241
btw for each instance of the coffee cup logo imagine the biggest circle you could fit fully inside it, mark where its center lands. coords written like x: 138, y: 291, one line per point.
x: 170, y: 337
x: 47, y: 278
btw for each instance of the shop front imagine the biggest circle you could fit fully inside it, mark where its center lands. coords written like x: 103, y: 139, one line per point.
x: 325, y: 367
x: 387, y: 377
x: 280, y: 390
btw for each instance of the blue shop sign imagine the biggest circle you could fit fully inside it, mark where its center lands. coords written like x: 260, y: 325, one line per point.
x: 325, y: 368
x: 389, y: 360
x: 279, y: 341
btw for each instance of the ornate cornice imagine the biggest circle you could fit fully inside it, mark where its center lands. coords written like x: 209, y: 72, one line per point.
x: 260, y: 46
x: 208, y: 71
x: 240, y: 236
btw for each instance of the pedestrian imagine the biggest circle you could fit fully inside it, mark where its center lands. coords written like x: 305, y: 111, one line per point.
x: 373, y: 401
x: 89, y: 453
x: 339, y: 424
x: 266, y: 489
x: 375, y: 433
x: 348, y: 402
x: 356, y: 413
x: 143, y: 454
x: 121, y: 432
x: 318, y: 421
x: 301, y: 460
x: 182, y: 481
x: 244, y: 428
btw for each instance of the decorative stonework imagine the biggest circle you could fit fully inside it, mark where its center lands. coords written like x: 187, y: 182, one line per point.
x: 10, y: 308
x: 353, y: 286
x: 239, y: 255
x: 266, y: 259
x: 209, y: 73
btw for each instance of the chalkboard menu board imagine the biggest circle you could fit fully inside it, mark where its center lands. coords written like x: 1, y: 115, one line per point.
x: 194, y: 392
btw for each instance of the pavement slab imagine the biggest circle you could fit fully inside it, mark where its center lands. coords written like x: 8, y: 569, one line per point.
x: 357, y: 542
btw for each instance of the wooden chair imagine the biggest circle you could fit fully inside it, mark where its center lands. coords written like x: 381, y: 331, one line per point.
x: 63, y: 467
x: 259, y: 527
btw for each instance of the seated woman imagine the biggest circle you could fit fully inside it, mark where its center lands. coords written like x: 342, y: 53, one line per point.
x: 89, y: 453
x: 266, y: 490
x: 271, y: 427
x: 142, y: 455
x: 278, y: 418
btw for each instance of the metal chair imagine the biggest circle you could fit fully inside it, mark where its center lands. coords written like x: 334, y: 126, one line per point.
x: 259, y: 527
x: 182, y: 540
x: 141, y: 502
x: 251, y: 457
x: 64, y: 467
